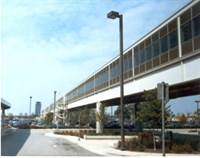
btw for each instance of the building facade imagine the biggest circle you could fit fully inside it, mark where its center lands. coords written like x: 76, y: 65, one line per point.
x: 38, y: 106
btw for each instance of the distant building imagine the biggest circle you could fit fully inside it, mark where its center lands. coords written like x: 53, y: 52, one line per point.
x: 4, y: 105
x: 38, y: 106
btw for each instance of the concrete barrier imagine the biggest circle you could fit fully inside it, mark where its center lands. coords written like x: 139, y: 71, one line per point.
x: 103, y: 137
x: 114, y: 144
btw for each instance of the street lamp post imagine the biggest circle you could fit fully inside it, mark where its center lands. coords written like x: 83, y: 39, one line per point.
x: 114, y: 15
x: 54, y: 108
x: 79, y: 125
x: 30, y: 107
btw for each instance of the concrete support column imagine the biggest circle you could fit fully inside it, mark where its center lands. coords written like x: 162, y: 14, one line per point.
x: 2, y: 118
x: 99, y: 117
x: 67, y: 117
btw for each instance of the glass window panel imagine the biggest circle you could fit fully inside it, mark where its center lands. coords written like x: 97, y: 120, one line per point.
x: 130, y: 63
x: 117, y: 70
x: 101, y: 78
x: 196, y: 24
x: 156, y: 50
x: 164, y: 44
x: 173, y: 39
x: 142, y: 56
x: 114, y: 71
x: 127, y: 64
x: 186, y: 32
x: 136, y: 59
x: 89, y: 85
x: 149, y: 52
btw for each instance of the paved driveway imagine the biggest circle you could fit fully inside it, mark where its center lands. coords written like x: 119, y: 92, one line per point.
x: 26, y: 142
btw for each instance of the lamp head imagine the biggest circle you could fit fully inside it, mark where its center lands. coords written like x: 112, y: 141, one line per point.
x: 113, y: 15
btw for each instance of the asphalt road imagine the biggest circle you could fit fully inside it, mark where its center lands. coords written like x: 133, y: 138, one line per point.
x: 26, y: 142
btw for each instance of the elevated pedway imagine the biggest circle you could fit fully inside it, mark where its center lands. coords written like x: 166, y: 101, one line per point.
x: 183, y: 77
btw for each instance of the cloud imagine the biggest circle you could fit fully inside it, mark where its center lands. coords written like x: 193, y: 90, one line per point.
x: 55, y: 44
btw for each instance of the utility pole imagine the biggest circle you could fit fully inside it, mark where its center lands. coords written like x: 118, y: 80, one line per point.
x: 163, y: 94
x: 54, y: 108
x: 114, y: 15
x: 30, y: 107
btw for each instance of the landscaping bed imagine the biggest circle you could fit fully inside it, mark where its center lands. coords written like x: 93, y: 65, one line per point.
x: 141, y: 141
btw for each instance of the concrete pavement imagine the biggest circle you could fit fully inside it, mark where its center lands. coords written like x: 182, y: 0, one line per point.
x: 103, y: 148
x: 33, y: 142
x: 5, y: 131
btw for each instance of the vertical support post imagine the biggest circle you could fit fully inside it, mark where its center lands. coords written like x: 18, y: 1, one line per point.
x: 114, y: 15
x: 30, y: 108
x: 163, y: 120
x: 54, y: 108
x: 121, y: 81
x: 79, y: 138
x: 163, y: 95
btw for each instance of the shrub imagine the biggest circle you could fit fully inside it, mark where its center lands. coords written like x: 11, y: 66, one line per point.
x: 181, y: 148
x: 148, y: 135
x: 146, y: 139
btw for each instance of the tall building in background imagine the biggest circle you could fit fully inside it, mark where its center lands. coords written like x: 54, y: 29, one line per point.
x: 38, y: 106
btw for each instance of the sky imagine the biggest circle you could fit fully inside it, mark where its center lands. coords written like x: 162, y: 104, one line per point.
x: 53, y: 45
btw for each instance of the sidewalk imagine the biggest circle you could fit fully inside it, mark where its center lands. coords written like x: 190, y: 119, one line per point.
x: 5, y: 131
x: 102, y: 148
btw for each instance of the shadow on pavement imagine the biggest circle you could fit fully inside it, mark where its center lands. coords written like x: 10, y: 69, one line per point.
x: 13, y: 141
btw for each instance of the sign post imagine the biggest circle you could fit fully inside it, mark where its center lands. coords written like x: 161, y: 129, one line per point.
x: 163, y: 94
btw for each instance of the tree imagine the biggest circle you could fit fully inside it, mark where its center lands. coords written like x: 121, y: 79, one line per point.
x: 128, y: 111
x: 10, y: 116
x: 26, y: 114
x: 88, y: 116
x: 100, y: 116
x: 150, y: 110
x: 60, y: 116
x: 20, y: 115
x: 183, y: 119
x: 74, y: 117
x: 32, y: 116
x: 48, y: 118
x: 170, y: 116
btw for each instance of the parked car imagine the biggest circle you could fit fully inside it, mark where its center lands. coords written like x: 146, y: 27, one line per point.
x: 39, y: 125
x: 189, y: 125
x: 49, y: 125
x: 197, y: 124
x: 60, y: 125
x: 24, y: 125
x: 33, y: 124
x: 16, y: 124
x: 112, y: 125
